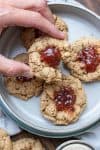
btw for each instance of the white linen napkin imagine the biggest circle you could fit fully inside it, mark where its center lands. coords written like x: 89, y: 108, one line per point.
x: 91, y: 136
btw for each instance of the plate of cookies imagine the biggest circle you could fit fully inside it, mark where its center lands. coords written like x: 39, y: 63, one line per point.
x: 62, y: 99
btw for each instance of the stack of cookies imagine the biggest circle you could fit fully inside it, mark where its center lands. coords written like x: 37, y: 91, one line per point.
x: 62, y: 96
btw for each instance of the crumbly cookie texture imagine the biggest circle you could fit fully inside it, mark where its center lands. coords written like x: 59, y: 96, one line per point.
x: 48, y: 106
x: 27, y: 142
x: 61, y: 25
x: 5, y: 141
x: 41, y: 69
x: 23, y: 90
x: 29, y: 35
x: 75, y: 66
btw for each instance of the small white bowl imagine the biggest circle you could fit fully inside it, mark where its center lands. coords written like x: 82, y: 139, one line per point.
x: 74, y: 145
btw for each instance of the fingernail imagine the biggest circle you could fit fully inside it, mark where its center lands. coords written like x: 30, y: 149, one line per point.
x: 28, y: 74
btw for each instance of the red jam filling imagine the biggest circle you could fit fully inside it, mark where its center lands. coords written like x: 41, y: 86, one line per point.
x: 90, y: 58
x: 51, y: 56
x: 65, y: 99
x: 23, y: 79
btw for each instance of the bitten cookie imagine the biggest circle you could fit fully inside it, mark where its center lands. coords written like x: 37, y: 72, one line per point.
x: 45, y: 56
x: 5, y: 141
x: 29, y: 35
x: 83, y: 59
x: 23, y: 87
x: 62, y: 102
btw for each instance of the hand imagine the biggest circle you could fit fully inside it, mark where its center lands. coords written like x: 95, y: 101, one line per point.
x: 31, y: 13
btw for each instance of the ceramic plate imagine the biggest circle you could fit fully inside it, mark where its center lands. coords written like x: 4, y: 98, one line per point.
x: 81, y: 22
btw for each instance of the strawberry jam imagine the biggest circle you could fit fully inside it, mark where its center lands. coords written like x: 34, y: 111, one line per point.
x: 90, y: 58
x: 23, y: 79
x: 51, y: 56
x: 65, y: 99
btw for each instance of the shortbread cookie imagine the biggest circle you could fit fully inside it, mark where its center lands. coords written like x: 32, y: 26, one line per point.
x: 83, y: 59
x: 44, y: 58
x: 23, y: 87
x: 29, y: 35
x: 5, y: 141
x: 62, y: 102
x: 27, y: 142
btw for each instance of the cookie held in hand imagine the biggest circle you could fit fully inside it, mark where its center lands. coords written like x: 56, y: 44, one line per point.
x: 23, y: 87
x: 29, y: 35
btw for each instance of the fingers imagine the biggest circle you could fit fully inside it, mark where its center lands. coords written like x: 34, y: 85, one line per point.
x: 25, y: 4
x: 33, y: 19
x: 19, y: 17
x: 34, y: 5
x: 42, y: 7
x: 13, y: 68
x: 14, y: 16
x: 46, y: 12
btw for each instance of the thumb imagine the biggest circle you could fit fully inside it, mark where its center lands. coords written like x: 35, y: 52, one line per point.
x: 13, y: 68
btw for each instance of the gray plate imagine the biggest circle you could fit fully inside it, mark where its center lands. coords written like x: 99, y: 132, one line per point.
x: 81, y: 22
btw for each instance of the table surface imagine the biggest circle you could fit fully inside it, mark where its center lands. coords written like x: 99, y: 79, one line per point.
x: 94, y: 5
